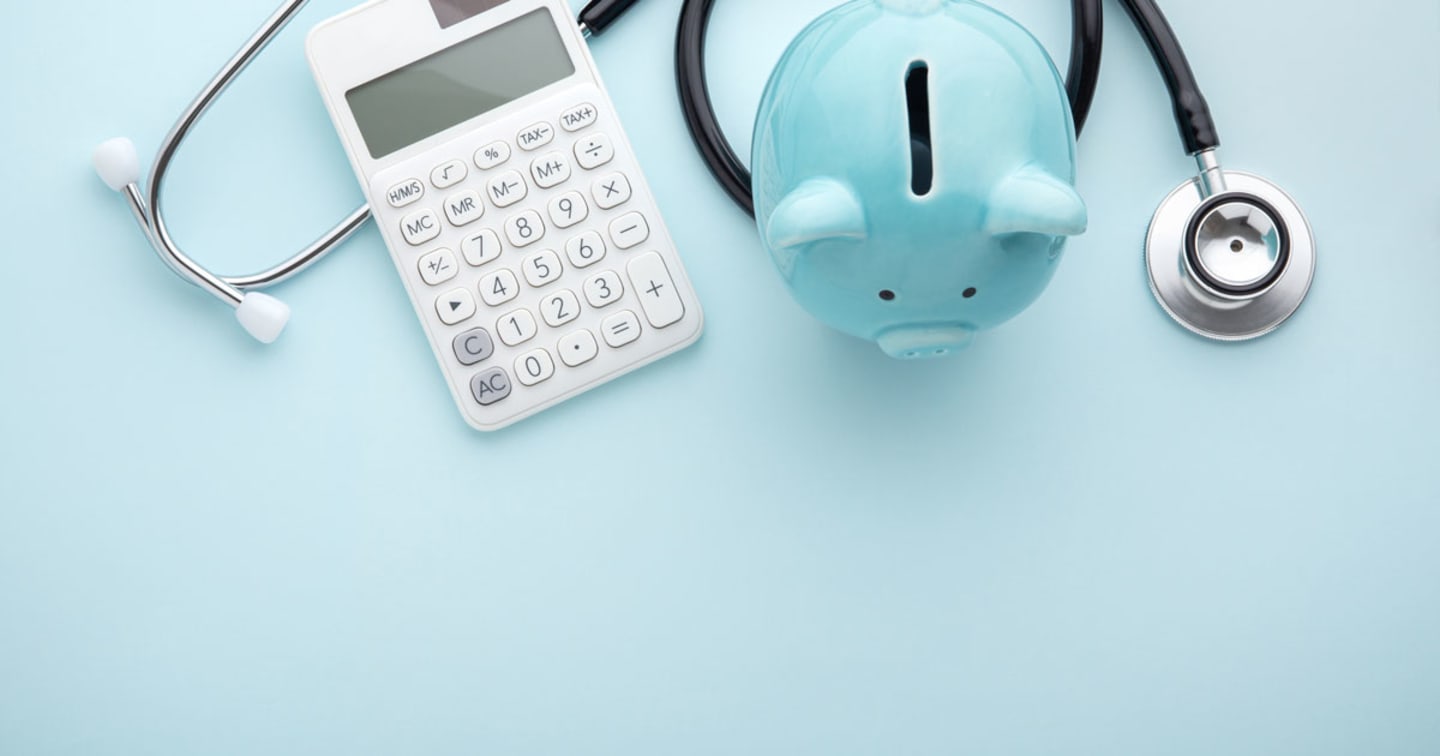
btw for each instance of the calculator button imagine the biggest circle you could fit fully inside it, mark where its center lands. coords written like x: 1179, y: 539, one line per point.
x: 492, y: 155
x: 420, y: 227
x: 507, y: 189
x: 405, y: 193
x: 656, y: 290
x: 516, y: 327
x: 629, y: 230
x: 525, y: 229
x: 568, y: 209
x: 611, y: 191
x: 578, y: 348
x: 480, y: 248
x: 449, y: 174
x: 474, y: 346
x: 499, y: 287
x: 594, y: 151
x: 578, y: 117
x: 535, y: 137
x: 438, y: 267
x: 464, y: 208
x: 541, y: 268
x: 560, y: 308
x: 551, y: 169
x: 534, y: 367
x: 455, y: 307
x: 585, y: 250
x: 604, y: 289
x: 491, y: 386
x: 621, y: 329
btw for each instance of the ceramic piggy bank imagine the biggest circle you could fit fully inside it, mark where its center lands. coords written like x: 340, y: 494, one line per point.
x: 914, y: 168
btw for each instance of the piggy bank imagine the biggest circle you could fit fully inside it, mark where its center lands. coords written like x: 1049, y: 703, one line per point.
x: 914, y: 169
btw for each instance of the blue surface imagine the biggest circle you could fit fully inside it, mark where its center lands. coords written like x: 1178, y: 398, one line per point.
x: 1092, y: 534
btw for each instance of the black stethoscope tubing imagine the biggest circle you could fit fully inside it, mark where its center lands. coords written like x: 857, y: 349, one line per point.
x: 1192, y: 113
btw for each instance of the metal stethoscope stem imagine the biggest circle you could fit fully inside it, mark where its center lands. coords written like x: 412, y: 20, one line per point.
x: 117, y: 163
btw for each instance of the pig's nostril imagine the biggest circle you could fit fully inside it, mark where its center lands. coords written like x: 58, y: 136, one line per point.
x: 887, y: 295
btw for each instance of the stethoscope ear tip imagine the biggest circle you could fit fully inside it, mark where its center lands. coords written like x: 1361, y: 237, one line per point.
x: 262, y: 316
x: 117, y: 163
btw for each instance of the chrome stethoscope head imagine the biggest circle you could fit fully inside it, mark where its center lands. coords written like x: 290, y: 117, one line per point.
x: 1230, y: 255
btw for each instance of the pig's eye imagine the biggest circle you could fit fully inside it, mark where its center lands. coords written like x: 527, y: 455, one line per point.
x: 887, y: 295
x: 968, y: 293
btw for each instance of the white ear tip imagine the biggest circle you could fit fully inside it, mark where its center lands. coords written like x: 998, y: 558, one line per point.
x: 117, y: 162
x: 263, y: 316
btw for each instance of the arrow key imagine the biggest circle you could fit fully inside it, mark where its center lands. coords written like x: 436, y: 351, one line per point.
x: 455, y: 307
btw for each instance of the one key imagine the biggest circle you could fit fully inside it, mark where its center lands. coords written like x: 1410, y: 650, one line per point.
x: 611, y: 191
x: 525, y: 229
x: 604, y: 289
x: 464, y: 208
x: 568, y: 209
x: 578, y: 117
x: 550, y: 170
x: 455, y: 307
x: 491, y: 386
x: 621, y: 329
x: 585, y: 250
x: 405, y: 193
x: 656, y: 290
x: 420, y: 227
x: 578, y: 348
x: 560, y: 308
x: 630, y: 230
x: 536, y: 136
x: 534, y: 367
x: 507, y: 189
x: 449, y: 174
x: 473, y: 346
x: 438, y: 267
x: 480, y: 248
x: 541, y: 268
x: 594, y: 151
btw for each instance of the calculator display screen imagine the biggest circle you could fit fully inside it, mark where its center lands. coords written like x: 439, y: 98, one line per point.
x: 458, y: 83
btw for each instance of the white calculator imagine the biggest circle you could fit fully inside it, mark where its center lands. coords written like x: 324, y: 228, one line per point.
x: 508, y: 195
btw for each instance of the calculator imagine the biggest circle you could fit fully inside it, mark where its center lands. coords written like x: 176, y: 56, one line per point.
x: 508, y: 195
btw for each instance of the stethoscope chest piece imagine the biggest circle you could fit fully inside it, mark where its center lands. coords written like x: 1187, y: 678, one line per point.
x: 1230, y: 259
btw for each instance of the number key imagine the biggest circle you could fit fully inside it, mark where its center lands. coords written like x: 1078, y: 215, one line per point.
x: 560, y: 308
x: 525, y: 229
x: 534, y: 367
x: 585, y: 250
x: 516, y: 327
x: 568, y: 209
x: 480, y: 248
x: 541, y: 268
x: 499, y: 287
x: 604, y: 289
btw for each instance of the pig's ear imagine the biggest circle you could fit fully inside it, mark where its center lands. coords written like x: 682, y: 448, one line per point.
x: 1033, y: 201
x: 816, y: 210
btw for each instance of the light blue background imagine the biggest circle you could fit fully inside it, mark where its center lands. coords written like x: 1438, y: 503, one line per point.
x: 1093, y: 534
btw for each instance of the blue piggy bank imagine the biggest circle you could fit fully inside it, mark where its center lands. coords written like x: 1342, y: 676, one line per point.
x: 914, y: 169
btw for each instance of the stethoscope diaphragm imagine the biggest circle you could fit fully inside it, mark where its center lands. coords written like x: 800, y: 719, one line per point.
x: 1232, y: 266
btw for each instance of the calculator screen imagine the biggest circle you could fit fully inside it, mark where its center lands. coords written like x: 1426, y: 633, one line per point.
x: 469, y: 79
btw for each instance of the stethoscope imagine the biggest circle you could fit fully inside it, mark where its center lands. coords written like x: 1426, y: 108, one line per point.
x: 1230, y: 255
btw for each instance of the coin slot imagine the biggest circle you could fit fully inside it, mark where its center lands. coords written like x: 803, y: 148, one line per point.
x: 917, y: 105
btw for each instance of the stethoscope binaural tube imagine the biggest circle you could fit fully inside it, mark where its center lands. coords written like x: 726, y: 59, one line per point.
x: 118, y: 164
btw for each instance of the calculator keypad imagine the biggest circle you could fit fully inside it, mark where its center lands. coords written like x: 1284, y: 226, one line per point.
x: 528, y: 261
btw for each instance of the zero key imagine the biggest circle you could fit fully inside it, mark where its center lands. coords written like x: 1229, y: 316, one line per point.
x: 656, y: 290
